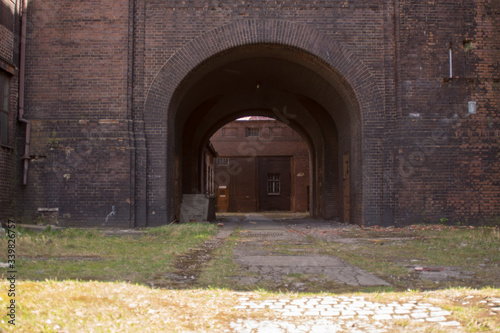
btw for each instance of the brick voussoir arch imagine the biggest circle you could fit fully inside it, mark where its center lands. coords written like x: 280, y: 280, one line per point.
x: 358, y: 83
x: 247, y: 32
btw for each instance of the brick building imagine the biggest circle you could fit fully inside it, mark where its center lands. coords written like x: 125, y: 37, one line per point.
x: 262, y: 165
x: 397, y: 100
x: 9, y: 80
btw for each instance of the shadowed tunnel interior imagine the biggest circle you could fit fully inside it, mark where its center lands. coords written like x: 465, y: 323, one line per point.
x: 289, y: 85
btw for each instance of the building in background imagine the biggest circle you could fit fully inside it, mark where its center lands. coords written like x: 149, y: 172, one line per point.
x: 263, y: 165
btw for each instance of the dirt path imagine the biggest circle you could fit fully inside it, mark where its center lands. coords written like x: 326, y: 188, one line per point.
x: 260, y: 263
x: 281, y: 253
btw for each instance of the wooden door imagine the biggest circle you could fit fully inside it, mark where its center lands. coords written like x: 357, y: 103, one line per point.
x: 222, y: 199
x: 347, y: 188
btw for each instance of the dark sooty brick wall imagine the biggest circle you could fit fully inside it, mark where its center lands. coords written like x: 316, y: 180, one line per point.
x: 123, y: 96
x: 9, y: 49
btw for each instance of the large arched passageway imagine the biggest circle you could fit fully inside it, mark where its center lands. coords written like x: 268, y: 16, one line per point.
x: 269, y: 80
x: 321, y: 98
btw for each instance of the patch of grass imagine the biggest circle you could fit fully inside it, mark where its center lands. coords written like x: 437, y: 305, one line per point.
x: 75, y: 306
x: 124, y: 307
x: 217, y: 273
x: 364, y: 256
x: 295, y: 275
x: 474, y: 250
x: 88, y: 254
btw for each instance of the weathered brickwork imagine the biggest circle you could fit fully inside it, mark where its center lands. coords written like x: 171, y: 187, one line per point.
x: 123, y: 97
x: 77, y: 97
x: 6, y: 42
x: 9, y: 27
x: 449, y: 165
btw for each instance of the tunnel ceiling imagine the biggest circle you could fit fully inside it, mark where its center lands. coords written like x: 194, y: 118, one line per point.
x: 266, y: 76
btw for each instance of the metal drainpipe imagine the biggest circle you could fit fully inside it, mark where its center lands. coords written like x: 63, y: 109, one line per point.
x: 22, y: 56
x: 450, y: 53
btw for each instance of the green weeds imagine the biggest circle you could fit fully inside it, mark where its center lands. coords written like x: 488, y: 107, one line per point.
x: 89, y: 254
x: 217, y: 273
x: 474, y: 250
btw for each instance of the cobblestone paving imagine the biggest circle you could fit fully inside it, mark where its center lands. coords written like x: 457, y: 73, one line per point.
x: 340, y: 314
x: 318, y: 314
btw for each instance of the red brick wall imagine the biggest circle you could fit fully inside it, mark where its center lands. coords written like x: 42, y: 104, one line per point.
x: 107, y: 83
x: 276, y: 139
x: 77, y: 80
x: 9, y: 26
x: 6, y: 43
x: 448, y: 159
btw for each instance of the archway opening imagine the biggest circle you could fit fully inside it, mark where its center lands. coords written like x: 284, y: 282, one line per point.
x: 283, y: 83
x: 257, y: 164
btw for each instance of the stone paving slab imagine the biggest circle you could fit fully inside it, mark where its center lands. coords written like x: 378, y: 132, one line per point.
x: 339, y: 314
x: 251, y: 256
x: 296, y: 261
x: 331, y: 267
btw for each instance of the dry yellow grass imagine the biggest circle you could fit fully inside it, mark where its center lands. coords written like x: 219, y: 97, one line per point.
x: 73, y: 306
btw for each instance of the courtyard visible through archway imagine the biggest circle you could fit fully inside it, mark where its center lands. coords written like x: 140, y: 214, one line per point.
x: 287, y: 85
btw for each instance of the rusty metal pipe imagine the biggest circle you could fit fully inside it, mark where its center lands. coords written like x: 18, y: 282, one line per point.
x: 21, y: 119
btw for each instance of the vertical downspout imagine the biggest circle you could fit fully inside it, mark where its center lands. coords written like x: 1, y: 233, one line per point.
x: 450, y: 53
x: 22, y: 56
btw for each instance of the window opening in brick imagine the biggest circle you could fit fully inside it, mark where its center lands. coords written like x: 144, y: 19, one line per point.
x: 253, y: 131
x: 273, y: 183
x: 4, y: 109
x: 222, y: 161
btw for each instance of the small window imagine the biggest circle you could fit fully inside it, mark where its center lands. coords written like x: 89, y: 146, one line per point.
x: 252, y: 131
x: 4, y: 108
x: 273, y: 183
x: 222, y: 161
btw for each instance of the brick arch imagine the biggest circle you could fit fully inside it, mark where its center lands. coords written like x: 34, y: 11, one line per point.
x: 355, y: 81
x: 247, y: 32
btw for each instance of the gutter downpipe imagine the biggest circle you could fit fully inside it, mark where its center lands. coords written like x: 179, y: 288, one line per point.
x: 450, y: 53
x: 21, y: 119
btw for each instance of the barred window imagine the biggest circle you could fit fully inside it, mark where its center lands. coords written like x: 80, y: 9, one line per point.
x: 273, y: 183
x: 252, y: 131
x: 4, y: 108
x: 222, y: 161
